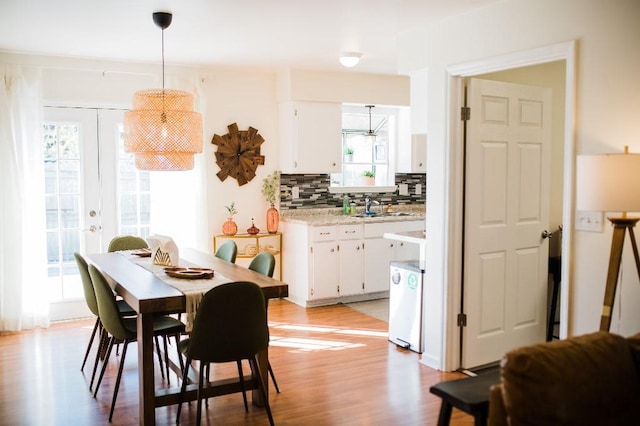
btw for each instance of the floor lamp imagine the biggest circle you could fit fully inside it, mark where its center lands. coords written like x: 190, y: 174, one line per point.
x: 611, y: 183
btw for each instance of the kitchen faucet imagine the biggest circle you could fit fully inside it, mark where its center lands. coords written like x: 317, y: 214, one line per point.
x: 367, y: 205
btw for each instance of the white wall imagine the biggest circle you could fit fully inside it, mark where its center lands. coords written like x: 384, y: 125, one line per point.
x: 607, y: 106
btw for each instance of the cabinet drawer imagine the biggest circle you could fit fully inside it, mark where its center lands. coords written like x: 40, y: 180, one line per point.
x: 324, y: 233
x: 350, y: 232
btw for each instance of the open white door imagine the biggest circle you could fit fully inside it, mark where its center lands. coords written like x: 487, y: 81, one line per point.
x: 506, y: 213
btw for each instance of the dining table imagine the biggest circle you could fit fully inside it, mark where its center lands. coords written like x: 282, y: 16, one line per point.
x: 150, y: 294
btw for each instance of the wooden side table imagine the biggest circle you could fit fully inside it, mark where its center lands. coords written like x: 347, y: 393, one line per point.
x: 249, y: 245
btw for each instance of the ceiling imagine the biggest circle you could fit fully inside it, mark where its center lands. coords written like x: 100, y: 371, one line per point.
x: 264, y: 34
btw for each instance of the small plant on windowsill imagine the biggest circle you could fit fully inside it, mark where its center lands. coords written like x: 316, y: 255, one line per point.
x: 369, y: 177
x: 348, y: 154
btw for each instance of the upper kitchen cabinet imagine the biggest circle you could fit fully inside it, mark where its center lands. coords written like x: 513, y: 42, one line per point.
x: 412, y: 154
x: 311, y: 137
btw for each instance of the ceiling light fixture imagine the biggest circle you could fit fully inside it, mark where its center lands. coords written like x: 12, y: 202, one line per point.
x: 162, y: 130
x: 350, y: 59
x: 370, y: 133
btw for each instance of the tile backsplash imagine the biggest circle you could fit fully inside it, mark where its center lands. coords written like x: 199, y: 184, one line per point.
x: 314, y: 191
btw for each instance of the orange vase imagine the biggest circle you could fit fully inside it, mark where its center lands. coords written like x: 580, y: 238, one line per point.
x: 273, y: 219
x: 229, y: 227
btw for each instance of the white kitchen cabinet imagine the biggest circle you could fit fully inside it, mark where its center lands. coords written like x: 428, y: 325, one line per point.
x: 412, y: 154
x: 323, y: 260
x: 380, y: 251
x: 310, y: 137
x: 350, y: 260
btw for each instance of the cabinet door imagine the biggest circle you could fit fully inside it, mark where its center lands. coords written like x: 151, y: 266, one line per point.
x: 350, y: 267
x: 379, y: 252
x: 311, y: 137
x: 324, y: 270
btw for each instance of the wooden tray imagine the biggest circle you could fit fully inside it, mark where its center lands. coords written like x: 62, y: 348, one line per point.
x: 142, y: 252
x: 189, y: 273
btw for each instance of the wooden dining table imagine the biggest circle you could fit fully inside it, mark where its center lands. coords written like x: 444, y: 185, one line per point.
x: 149, y: 295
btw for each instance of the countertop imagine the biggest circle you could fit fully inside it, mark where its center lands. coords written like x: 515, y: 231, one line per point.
x: 333, y: 216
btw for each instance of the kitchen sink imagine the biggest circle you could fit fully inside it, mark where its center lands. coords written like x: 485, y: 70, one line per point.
x: 390, y: 214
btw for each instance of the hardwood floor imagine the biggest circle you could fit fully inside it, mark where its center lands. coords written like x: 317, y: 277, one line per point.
x: 333, y: 364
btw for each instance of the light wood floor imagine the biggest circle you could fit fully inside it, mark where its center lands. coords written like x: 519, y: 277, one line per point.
x: 334, y: 366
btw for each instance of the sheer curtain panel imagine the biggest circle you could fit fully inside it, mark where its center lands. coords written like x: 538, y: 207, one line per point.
x: 23, y: 262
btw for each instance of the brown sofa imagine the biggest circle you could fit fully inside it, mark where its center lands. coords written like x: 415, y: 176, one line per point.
x: 592, y: 379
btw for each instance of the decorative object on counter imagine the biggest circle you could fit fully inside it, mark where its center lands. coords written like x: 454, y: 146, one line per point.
x: 162, y: 130
x: 230, y: 227
x: 368, y: 178
x: 270, y: 186
x: 238, y: 153
x: 346, y: 207
x: 164, y: 250
x: 348, y: 154
x: 253, y: 230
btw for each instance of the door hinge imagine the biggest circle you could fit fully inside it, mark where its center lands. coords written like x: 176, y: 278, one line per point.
x: 311, y: 249
x: 465, y: 113
x: 462, y: 320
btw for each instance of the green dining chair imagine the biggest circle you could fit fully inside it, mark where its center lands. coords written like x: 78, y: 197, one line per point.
x: 90, y: 298
x: 265, y: 263
x: 230, y: 325
x: 124, y: 329
x: 227, y: 251
x: 127, y: 242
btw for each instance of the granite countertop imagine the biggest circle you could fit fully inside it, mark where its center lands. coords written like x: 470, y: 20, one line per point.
x: 334, y: 216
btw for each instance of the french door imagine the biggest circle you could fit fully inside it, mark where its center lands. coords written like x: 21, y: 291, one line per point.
x: 92, y: 193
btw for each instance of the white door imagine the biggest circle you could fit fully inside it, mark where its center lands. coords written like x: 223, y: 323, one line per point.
x: 88, y: 192
x: 506, y: 212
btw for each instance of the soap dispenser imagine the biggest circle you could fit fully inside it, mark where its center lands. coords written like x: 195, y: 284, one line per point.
x: 345, y: 204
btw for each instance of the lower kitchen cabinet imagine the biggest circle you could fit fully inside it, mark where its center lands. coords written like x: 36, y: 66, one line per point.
x: 332, y: 263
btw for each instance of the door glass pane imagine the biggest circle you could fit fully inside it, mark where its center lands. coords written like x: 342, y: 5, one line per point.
x: 62, y: 186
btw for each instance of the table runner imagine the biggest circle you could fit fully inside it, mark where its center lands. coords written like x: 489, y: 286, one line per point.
x: 192, y: 289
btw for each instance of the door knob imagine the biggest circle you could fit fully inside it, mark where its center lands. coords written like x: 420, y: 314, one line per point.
x: 546, y: 234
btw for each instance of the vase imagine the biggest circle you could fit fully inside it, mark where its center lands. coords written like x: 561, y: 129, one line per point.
x: 229, y: 227
x: 273, y: 219
x: 254, y: 230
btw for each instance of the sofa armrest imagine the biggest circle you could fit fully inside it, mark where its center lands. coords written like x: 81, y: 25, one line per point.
x: 497, y: 412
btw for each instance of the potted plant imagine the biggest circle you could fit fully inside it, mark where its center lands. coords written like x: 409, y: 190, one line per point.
x: 348, y: 154
x: 271, y: 187
x: 369, y: 177
x: 230, y: 227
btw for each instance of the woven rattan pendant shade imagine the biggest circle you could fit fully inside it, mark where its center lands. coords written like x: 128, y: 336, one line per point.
x: 162, y: 130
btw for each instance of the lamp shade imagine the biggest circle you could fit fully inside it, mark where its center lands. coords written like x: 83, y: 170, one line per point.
x: 608, y: 182
x: 162, y: 130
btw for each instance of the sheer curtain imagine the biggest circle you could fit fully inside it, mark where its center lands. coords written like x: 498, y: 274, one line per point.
x: 23, y: 262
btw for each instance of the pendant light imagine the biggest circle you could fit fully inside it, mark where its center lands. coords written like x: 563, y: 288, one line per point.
x: 371, y: 134
x: 162, y: 130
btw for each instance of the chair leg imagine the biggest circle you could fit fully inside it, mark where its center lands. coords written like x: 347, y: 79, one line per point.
x: 166, y: 358
x: 117, y: 385
x: 104, y: 364
x: 93, y: 335
x: 185, y: 375
x: 273, y: 377
x: 102, y: 343
x: 200, y: 380
x: 244, y: 391
x: 261, y: 384
x: 159, y: 356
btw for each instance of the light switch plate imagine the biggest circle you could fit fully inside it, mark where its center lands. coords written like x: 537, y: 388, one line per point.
x: 295, y: 193
x: 403, y: 189
x: 418, y: 188
x: 589, y: 221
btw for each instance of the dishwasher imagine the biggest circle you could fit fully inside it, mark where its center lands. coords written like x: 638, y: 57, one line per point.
x: 405, y: 304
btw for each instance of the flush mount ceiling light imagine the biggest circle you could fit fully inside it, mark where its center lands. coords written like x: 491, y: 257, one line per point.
x: 350, y: 59
x: 162, y: 130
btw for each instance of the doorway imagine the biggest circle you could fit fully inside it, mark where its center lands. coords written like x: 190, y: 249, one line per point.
x: 562, y: 53
x: 92, y: 193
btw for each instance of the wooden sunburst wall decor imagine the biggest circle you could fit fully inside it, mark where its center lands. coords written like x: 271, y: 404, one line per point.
x: 238, y: 153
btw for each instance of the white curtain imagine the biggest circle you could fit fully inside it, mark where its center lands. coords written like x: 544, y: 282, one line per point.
x: 23, y: 274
